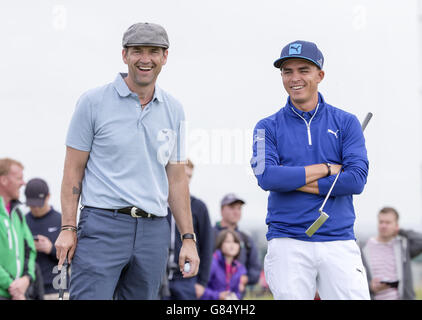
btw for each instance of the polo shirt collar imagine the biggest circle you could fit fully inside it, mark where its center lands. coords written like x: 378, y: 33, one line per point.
x: 121, y: 86
x: 124, y: 91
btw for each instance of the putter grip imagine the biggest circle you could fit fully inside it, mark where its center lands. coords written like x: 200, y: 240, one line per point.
x: 366, y: 121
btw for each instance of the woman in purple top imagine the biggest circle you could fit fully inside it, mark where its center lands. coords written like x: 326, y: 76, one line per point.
x: 226, y: 272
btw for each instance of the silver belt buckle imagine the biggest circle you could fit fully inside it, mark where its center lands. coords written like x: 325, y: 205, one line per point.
x: 133, y: 212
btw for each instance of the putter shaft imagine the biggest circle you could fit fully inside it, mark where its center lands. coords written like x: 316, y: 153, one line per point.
x: 323, y: 216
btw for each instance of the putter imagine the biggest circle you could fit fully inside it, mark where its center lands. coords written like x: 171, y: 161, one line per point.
x: 63, y: 278
x: 322, y: 215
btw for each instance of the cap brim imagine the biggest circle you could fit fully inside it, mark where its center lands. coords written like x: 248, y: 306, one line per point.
x: 146, y: 45
x: 234, y: 201
x: 35, y: 202
x: 280, y: 61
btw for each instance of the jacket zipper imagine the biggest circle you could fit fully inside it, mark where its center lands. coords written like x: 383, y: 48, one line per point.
x: 308, y: 125
x: 11, y: 234
x: 18, y: 262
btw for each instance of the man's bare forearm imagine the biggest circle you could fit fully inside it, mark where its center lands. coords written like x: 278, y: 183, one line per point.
x: 179, y: 203
x: 310, y: 188
x: 73, y: 173
x: 315, y: 172
x: 179, y: 199
x: 70, y: 193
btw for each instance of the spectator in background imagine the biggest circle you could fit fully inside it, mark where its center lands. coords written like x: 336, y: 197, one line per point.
x: 226, y: 271
x: 45, y: 223
x: 191, y: 288
x: 17, y: 249
x: 387, y: 258
x: 231, y: 213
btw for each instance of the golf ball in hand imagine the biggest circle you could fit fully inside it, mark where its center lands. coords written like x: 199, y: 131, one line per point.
x: 187, y: 267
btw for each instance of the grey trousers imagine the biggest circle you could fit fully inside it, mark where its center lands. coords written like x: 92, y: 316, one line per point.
x: 118, y: 256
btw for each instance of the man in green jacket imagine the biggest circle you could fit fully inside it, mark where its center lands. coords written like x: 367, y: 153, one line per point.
x: 17, y: 249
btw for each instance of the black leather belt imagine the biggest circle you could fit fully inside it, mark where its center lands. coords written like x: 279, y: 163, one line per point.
x: 132, y: 211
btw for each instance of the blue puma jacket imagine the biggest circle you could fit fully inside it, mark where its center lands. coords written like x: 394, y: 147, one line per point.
x: 287, y: 141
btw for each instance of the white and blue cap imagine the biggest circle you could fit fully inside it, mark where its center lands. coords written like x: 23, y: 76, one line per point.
x: 301, y: 50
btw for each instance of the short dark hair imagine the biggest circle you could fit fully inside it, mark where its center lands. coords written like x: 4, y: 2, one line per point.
x: 222, y: 236
x: 126, y: 48
x: 390, y: 210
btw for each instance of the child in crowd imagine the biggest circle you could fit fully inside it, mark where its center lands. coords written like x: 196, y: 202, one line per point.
x: 226, y: 272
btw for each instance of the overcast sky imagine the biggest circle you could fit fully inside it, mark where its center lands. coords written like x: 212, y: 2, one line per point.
x: 220, y: 69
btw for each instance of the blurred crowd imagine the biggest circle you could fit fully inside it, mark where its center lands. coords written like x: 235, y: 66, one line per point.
x: 229, y: 257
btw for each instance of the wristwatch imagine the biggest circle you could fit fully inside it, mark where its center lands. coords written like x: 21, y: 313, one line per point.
x: 329, y: 169
x: 188, y: 236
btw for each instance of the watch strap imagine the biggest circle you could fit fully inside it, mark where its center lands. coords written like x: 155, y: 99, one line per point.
x: 188, y: 236
x: 329, y: 169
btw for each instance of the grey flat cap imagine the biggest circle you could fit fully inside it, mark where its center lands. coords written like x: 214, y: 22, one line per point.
x: 145, y: 34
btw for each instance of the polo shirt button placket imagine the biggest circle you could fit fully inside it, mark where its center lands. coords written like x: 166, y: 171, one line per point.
x: 141, y: 115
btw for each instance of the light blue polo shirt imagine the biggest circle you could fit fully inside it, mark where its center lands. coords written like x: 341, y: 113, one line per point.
x: 129, y: 147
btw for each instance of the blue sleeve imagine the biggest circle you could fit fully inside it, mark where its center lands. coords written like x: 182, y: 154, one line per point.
x: 205, y: 243
x: 210, y: 292
x: 81, y: 129
x: 266, y: 164
x: 354, y: 160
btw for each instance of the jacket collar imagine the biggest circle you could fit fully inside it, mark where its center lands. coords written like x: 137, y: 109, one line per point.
x: 292, y: 110
x: 220, y: 227
x: 13, y: 205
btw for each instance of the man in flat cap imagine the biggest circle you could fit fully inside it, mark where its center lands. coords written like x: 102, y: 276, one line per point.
x: 125, y: 160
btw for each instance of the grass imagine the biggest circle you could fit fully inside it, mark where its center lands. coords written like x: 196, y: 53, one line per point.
x: 255, y: 294
x: 418, y: 292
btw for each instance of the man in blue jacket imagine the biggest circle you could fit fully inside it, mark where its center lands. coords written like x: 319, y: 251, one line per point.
x: 44, y: 223
x: 297, y: 153
x: 190, y: 288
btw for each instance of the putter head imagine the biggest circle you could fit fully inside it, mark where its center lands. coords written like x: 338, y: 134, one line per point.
x: 317, y: 224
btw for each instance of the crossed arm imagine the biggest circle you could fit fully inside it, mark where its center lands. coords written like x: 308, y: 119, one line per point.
x: 315, y: 172
x: 313, y: 178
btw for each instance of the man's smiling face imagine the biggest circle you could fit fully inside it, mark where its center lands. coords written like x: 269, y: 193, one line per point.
x: 144, y: 64
x: 301, y: 79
